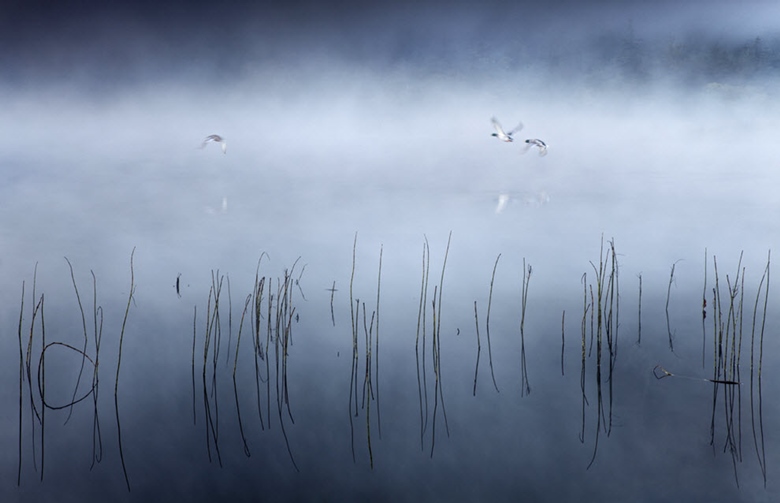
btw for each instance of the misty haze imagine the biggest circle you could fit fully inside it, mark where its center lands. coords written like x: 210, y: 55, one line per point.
x: 283, y: 253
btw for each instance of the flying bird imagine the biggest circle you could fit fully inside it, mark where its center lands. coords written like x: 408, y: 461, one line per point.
x: 216, y: 139
x: 501, y: 134
x: 535, y: 142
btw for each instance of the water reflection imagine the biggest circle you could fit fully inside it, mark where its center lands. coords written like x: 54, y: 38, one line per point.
x: 604, y: 308
x: 270, y: 313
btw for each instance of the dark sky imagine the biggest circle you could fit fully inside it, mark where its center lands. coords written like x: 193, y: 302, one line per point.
x: 131, y: 41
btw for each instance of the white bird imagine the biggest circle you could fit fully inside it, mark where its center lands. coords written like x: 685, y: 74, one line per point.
x: 501, y: 134
x: 535, y: 142
x: 216, y: 139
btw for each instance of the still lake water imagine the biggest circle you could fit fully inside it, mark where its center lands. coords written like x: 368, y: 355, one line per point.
x: 674, y: 182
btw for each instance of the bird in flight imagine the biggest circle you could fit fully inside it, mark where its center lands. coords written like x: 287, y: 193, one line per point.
x: 216, y: 139
x: 535, y: 142
x: 501, y: 134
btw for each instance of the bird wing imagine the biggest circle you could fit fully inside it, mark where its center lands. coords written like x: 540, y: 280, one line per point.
x: 542, y: 146
x: 497, y: 126
x: 516, y: 129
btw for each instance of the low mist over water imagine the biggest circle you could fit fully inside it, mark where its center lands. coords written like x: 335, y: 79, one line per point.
x: 355, y: 161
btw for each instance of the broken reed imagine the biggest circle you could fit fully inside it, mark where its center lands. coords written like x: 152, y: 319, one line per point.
x: 668, y: 296
x: 487, y: 332
x: 604, y: 307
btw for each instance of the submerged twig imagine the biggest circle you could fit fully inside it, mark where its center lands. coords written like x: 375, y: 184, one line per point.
x: 659, y: 372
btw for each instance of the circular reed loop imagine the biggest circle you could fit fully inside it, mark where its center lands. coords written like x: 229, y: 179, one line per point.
x: 40, y: 367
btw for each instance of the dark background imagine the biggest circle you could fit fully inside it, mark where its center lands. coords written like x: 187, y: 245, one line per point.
x: 104, y: 45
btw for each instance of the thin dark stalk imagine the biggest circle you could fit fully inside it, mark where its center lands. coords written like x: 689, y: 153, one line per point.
x: 438, y: 335
x: 212, y: 340
x: 28, y: 363
x: 614, y: 322
x: 230, y: 323
x: 235, y: 366
x: 525, y: 387
x: 487, y: 322
x: 21, y: 387
x: 368, y: 394
x: 435, y: 372
x: 268, y: 331
x: 563, y: 339
x: 353, y: 317
x: 258, y: 352
x: 584, y: 329
x: 86, y: 339
x: 717, y: 346
x: 332, y: 294
x: 353, y: 389
x: 194, y: 333
x: 479, y: 349
x: 704, y: 312
x: 281, y: 345
x: 354, y: 363
x: 97, y: 313
x: 592, y: 319
x: 758, y: 434
x: 421, y: 325
x: 298, y: 280
x: 42, y: 388
x: 639, y: 331
x: 368, y: 389
x: 436, y: 350
x: 118, y: 364
x: 424, y: 305
x: 668, y: 295
x: 378, y: 283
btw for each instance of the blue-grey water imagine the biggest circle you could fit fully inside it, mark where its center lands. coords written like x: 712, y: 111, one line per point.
x: 349, y: 168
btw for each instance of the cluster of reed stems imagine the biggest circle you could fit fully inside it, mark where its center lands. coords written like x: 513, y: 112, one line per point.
x: 270, y: 312
x: 435, y: 350
x: 370, y: 388
x: 728, y: 322
x: 36, y: 386
x: 604, y: 308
